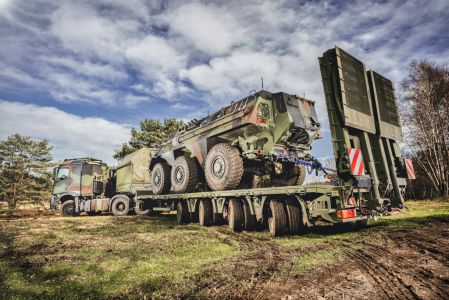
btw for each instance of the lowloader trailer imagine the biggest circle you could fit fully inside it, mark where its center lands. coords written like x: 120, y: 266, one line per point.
x: 286, y: 210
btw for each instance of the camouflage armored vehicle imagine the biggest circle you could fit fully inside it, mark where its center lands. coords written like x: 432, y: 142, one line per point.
x: 253, y: 137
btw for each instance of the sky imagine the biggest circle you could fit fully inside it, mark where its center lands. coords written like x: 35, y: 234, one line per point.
x: 82, y: 73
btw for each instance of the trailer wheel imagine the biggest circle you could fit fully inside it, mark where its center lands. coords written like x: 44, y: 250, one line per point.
x: 160, y: 178
x: 184, y: 175
x: 68, y: 209
x: 235, y: 215
x: 250, y: 221
x: 218, y: 219
x: 224, y: 167
x: 205, y: 212
x: 182, y: 212
x: 120, y: 207
x: 277, y: 221
x: 294, y: 216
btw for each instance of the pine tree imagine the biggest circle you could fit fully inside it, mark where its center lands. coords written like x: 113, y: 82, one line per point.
x: 24, y: 176
x: 150, y: 134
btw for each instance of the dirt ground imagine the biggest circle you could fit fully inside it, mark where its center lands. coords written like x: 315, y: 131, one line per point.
x: 408, y: 263
x: 404, y: 257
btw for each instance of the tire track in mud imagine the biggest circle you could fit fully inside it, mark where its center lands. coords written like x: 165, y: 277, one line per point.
x: 409, y: 263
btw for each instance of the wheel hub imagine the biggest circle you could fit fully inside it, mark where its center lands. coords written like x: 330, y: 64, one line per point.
x: 179, y: 175
x: 218, y: 167
x: 157, y: 179
x: 121, y: 206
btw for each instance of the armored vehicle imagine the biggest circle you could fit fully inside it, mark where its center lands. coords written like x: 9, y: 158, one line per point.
x: 253, y: 137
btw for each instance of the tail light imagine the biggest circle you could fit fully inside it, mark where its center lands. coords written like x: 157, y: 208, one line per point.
x: 346, y: 214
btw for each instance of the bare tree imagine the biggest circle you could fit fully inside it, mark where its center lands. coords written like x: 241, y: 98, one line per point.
x: 425, y: 116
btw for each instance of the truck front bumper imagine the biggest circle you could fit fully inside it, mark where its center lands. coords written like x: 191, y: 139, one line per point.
x: 54, y: 203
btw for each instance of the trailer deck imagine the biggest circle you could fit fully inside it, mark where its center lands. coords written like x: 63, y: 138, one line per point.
x: 288, y: 210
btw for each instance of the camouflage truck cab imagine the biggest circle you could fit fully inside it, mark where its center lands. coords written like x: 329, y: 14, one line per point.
x: 251, y: 137
x: 78, y: 178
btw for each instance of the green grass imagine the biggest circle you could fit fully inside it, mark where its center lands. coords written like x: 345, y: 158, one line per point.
x: 109, y: 257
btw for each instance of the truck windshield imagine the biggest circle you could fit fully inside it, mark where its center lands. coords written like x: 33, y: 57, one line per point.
x: 63, y: 173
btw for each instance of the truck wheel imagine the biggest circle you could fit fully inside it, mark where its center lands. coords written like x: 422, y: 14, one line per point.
x: 160, y: 179
x: 120, y: 207
x: 250, y: 221
x: 224, y: 167
x: 205, y: 212
x: 184, y: 175
x: 182, y: 212
x: 277, y: 221
x: 294, y: 216
x: 235, y: 215
x: 68, y: 209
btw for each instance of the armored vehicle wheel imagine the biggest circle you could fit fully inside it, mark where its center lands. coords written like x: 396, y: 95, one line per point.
x: 235, y: 215
x: 294, y: 175
x: 250, y: 221
x: 224, y: 167
x: 160, y: 179
x: 277, y: 221
x: 294, y: 216
x: 120, y: 207
x: 182, y: 212
x: 93, y: 213
x: 205, y: 212
x: 68, y: 209
x: 184, y: 175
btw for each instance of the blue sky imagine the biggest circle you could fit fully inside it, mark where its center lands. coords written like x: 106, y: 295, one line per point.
x: 82, y: 73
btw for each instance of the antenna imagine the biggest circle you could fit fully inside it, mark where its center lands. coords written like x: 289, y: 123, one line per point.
x: 261, y: 80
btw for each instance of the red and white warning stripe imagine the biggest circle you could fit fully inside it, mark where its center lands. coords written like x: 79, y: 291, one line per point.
x: 409, y: 167
x: 356, y: 161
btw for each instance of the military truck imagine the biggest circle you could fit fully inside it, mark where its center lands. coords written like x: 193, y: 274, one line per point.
x: 89, y: 185
x: 249, y: 138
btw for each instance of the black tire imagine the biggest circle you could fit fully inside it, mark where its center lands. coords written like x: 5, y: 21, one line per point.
x: 235, y: 215
x: 223, y: 167
x: 160, y: 179
x: 293, y: 175
x: 294, y: 216
x: 184, y: 175
x: 249, y: 220
x: 120, y: 207
x: 68, y: 209
x: 205, y: 212
x: 182, y: 212
x: 93, y: 213
x: 217, y: 219
x: 194, y: 218
x: 277, y: 221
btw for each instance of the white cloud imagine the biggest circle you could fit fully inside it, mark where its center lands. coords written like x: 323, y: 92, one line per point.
x: 208, y: 28
x: 70, y: 135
